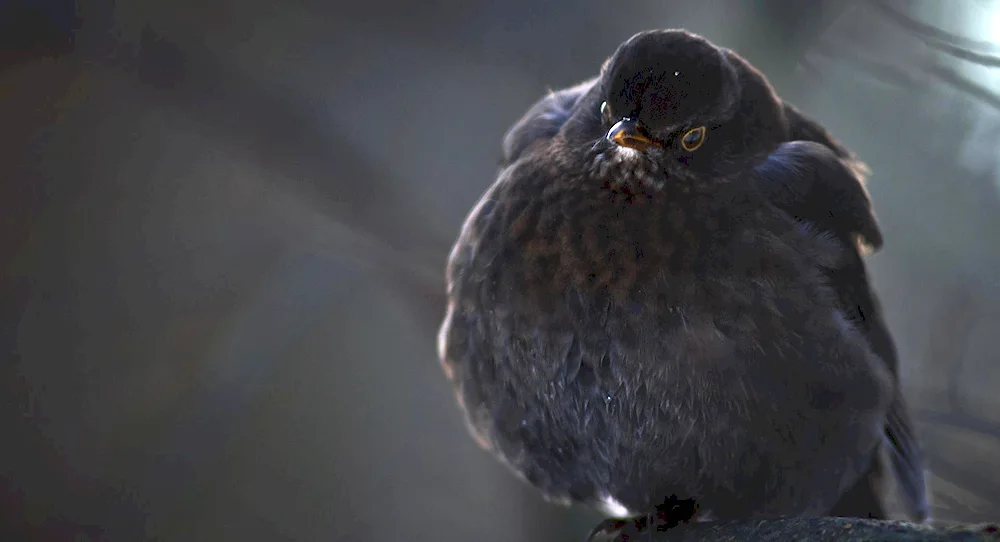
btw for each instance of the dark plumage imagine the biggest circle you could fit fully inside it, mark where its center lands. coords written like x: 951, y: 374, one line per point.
x: 663, y: 293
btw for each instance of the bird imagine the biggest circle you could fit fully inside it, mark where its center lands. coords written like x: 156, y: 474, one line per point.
x: 663, y: 298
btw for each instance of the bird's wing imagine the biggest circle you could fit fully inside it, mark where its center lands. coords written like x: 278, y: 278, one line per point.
x: 487, y: 350
x: 803, y: 128
x: 813, y: 183
x: 542, y: 121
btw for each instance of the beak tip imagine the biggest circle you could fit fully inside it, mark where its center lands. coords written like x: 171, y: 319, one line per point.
x: 628, y: 133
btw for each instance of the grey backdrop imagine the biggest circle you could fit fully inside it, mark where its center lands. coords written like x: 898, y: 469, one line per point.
x: 224, y: 225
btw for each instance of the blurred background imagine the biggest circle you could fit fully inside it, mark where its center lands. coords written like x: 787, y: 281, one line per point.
x: 223, y: 229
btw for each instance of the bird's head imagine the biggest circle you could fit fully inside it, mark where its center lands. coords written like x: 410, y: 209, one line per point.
x: 672, y: 105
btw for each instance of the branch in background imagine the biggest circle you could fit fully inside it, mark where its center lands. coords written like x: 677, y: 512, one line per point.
x: 793, y: 27
x: 808, y: 68
x: 896, y: 76
x: 952, y: 44
x: 928, y: 32
x: 982, y: 59
x: 886, y: 73
x: 961, y: 420
x: 824, y: 529
x: 953, y: 79
x: 931, y: 37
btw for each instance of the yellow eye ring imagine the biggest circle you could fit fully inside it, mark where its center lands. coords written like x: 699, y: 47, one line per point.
x: 693, y: 138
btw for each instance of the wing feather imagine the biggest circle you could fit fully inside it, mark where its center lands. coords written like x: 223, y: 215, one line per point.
x: 820, y: 185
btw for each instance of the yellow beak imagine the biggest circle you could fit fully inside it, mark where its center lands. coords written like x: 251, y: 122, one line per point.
x: 628, y: 133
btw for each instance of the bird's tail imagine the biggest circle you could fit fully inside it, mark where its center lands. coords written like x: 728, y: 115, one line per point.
x: 905, y: 458
x: 907, y: 461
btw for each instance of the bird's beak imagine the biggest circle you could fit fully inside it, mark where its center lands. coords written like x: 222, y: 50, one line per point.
x: 629, y: 133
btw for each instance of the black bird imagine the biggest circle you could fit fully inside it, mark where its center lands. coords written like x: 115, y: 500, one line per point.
x: 663, y: 294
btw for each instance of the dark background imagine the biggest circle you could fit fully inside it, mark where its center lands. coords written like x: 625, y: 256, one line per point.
x: 223, y: 225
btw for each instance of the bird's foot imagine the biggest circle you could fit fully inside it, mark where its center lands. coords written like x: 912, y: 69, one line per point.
x: 668, y: 515
x: 620, y: 529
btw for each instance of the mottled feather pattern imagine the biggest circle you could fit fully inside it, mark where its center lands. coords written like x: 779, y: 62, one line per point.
x: 627, y: 325
x: 558, y: 256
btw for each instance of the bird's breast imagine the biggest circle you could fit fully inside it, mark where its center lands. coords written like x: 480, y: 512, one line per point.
x: 614, y: 239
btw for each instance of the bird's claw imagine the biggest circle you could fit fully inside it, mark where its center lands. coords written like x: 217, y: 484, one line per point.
x: 668, y: 515
x: 620, y: 528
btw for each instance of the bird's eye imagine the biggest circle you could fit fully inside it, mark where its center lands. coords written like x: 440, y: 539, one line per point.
x: 605, y: 110
x: 693, y: 139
